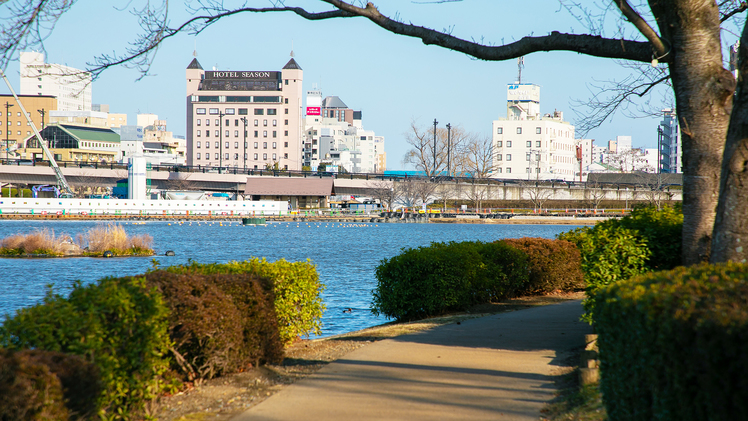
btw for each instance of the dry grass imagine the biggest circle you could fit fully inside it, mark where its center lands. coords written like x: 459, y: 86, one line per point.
x: 113, y: 237
x: 39, y: 242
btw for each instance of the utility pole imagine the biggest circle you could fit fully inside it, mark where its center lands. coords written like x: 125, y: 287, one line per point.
x: 449, y: 145
x: 244, y: 119
x: 435, y: 123
x: 42, y: 112
x: 7, y: 132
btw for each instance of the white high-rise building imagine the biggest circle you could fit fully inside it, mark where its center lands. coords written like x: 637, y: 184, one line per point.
x: 71, y: 87
x: 670, y: 144
x: 531, y: 146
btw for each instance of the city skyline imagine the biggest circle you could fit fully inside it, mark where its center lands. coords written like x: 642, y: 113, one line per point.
x: 391, y: 79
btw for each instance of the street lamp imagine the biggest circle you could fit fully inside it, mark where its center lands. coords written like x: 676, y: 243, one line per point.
x: 7, y: 132
x: 449, y: 141
x: 42, y: 112
x: 244, y: 119
x: 435, y: 123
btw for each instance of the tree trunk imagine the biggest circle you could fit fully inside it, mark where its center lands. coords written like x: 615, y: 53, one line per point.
x: 731, y: 227
x: 703, y: 96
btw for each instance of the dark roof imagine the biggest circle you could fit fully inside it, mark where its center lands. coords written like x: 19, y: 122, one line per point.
x: 636, y: 178
x: 194, y: 64
x: 333, y: 102
x: 292, y: 64
x: 289, y: 186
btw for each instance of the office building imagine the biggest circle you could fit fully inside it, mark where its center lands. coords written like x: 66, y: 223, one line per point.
x: 71, y: 86
x: 669, y: 140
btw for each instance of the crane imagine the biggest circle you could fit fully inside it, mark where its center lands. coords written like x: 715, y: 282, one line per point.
x: 61, y: 181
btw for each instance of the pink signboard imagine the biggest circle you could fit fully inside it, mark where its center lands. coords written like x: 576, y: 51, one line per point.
x: 313, y: 111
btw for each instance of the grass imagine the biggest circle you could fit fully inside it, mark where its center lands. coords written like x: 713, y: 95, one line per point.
x: 576, y: 402
x: 97, y: 240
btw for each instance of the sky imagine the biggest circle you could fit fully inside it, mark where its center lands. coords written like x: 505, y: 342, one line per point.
x: 392, y: 79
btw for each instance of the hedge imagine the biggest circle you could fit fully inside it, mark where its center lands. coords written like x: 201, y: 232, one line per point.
x: 219, y: 323
x: 118, y: 324
x: 674, y: 345
x: 42, y: 385
x: 298, y: 304
x: 554, y: 264
x: 443, y: 277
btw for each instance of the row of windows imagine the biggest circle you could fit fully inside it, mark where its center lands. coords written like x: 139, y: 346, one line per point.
x: 528, y: 144
x: 233, y: 111
x: 500, y: 130
x: 227, y: 133
x: 236, y: 156
x: 236, y: 145
x: 508, y: 157
x: 10, y: 123
x: 236, y: 122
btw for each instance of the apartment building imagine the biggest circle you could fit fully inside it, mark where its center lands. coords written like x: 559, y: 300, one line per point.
x: 71, y: 86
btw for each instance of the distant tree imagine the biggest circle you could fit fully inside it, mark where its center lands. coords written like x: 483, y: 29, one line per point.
x: 387, y: 192
x: 421, y: 153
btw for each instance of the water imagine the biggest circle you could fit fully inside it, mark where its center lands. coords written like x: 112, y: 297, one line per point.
x: 345, y: 254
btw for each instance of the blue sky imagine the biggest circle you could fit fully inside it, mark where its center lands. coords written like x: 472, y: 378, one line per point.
x: 391, y: 79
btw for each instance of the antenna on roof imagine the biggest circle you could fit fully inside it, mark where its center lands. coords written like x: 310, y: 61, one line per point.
x: 194, y: 52
x: 291, y: 48
x: 520, y: 66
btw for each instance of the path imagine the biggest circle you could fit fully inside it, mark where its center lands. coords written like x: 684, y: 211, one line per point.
x: 493, y: 368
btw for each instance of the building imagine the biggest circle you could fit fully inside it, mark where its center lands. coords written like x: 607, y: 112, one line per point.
x: 113, y: 119
x: 73, y: 143
x: 71, y: 86
x: 335, y: 137
x: 668, y: 135
x: 528, y: 145
x: 17, y: 126
x: 244, y: 119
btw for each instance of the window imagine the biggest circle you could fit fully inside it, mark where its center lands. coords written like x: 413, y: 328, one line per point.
x: 264, y: 145
x: 236, y: 156
x: 242, y: 111
x: 256, y: 133
x: 275, y: 122
x: 213, y: 111
x: 499, y: 130
x: 285, y: 122
x: 286, y: 101
x: 498, y: 170
x: 226, y: 133
x: 265, y: 156
x: 207, y: 145
x: 19, y: 123
x: 264, y: 122
x: 527, y: 156
x: 227, y: 123
x: 198, y: 143
x: 274, y: 145
x: 226, y: 156
x: 508, y: 143
x: 275, y: 157
x: 272, y: 111
x: 499, y: 144
x: 198, y: 121
x: 285, y: 133
x: 207, y: 122
x: 508, y: 170
x: 285, y: 156
x: 228, y: 111
x: 218, y: 133
x: 259, y: 111
x: 207, y: 133
x: 255, y: 145
x: 519, y: 130
x: 285, y: 144
x: 226, y: 145
x: 264, y: 133
x: 218, y: 122
x: 537, y: 170
x: 498, y: 157
x: 538, y: 143
x: 275, y: 134
x: 255, y: 157
x: 198, y: 135
x: 257, y: 123
x: 527, y: 170
x: 286, y: 112
x: 528, y: 144
x: 236, y: 133
x: 236, y: 122
x: 236, y: 144
x: 538, y: 130
x: 508, y: 157
x: 218, y: 145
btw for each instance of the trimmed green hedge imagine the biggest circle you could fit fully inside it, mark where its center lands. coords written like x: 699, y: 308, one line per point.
x: 298, y: 304
x: 554, y: 264
x: 443, y: 277
x: 674, y: 345
x: 118, y: 324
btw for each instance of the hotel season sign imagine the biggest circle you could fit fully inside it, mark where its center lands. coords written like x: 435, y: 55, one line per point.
x: 240, y: 75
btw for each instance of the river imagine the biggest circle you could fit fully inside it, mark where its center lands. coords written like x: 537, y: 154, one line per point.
x: 346, y: 255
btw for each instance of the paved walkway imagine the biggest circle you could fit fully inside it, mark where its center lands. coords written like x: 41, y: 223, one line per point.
x: 494, y: 368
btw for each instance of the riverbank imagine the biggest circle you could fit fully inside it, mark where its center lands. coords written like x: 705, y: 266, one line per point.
x: 225, y: 397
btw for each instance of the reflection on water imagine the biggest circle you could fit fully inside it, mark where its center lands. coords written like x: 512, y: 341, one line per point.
x: 345, y: 254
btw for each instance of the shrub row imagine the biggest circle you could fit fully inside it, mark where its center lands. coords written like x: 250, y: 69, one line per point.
x: 674, y: 345
x: 442, y: 277
x: 298, y: 301
x: 204, y: 320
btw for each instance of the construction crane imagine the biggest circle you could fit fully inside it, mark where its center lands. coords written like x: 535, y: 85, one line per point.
x: 67, y: 192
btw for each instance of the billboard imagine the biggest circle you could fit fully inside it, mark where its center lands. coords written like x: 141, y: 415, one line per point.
x: 523, y: 92
x: 313, y: 111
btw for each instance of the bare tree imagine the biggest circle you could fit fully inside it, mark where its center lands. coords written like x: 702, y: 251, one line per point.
x: 478, y: 156
x: 594, y: 193
x: 536, y: 193
x: 179, y: 181
x: 387, y: 192
x: 684, y: 35
x: 449, y: 148
x: 477, y: 193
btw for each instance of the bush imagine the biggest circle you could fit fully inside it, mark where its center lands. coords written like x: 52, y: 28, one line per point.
x: 674, y: 345
x: 663, y: 231
x: 443, y: 277
x: 39, y: 385
x: 298, y: 304
x: 609, y: 254
x: 219, y: 323
x: 554, y: 264
x: 117, y: 324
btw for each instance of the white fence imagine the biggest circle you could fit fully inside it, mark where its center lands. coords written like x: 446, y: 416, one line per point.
x: 45, y: 206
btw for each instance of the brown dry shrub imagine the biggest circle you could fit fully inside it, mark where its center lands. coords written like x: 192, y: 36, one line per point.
x: 107, y: 237
x: 554, y: 264
x: 220, y: 323
x: 141, y: 242
x: 13, y: 242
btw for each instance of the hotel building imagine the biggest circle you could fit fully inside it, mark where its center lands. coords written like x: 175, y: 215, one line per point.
x: 531, y: 146
x: 244, y: 119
